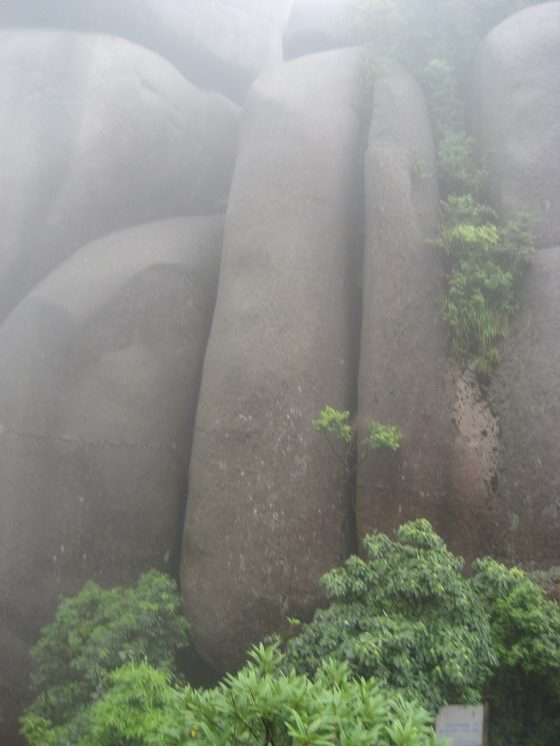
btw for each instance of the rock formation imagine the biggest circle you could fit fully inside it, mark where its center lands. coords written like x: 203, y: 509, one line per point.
x: 318, y: 25
x: 444, y: 468
x: 108, y: 135
x: 525, y: 395
x: 120, y: 136
x: 99, y: 376
x: 216, y: 44
x: 264, y: 517
x: 516, y: 111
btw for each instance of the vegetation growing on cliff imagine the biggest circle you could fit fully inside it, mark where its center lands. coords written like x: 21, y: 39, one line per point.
x: 333, y: 422
x: 405, y: 631
x: 485, y: 261
x: 436, y: 40
x: 341, y: 437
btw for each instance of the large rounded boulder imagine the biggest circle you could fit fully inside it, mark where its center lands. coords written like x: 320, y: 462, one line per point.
x: 98, y: 134
x: 525, y: 394
x: 267, y: 513
x: 216, y: 44
x: 516, y: 115
x: 444, y: 468
x: 99, y: 374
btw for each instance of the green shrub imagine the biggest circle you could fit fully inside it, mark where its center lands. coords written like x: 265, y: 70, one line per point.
x: 524, y: 690
x: 382, y: 436
x: 409, y: 618
x: 406, y: 616
x: 92, y: 635
x: 334, y: 422
x: 264, y: 705
x: 485, y: 263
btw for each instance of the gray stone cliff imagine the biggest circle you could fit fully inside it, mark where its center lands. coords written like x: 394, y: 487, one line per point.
x: 205, y: 241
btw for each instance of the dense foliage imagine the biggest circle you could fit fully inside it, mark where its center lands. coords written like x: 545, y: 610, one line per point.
x: 524, y: 690
x: 407, y: 616
x: 265, y: 705
x: 437, y: 39
x: 403, y: 626
x: 410, y: 618
x: 485, y: 261
x: 262, y: 705
x: 92, y: 635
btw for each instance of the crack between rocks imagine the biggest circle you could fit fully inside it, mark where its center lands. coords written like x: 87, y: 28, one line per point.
x: 172, y: 448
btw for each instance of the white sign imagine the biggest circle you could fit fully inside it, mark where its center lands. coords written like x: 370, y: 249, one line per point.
x: 463, y: 724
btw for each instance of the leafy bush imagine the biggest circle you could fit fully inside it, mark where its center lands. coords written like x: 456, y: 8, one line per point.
x: 406, y: 616
x: 524, y: 690
x: 93, y: 634
x: 486, y: 261
x: 263, y: 705
x: 334, y: 422
x: 383, y: 436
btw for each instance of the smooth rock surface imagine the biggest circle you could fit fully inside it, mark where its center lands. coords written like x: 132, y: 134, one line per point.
x: 218, y: 44
x: 99, y: 376
x: 15, y: 667
x: 266, y: 511
x: 515, y: 110
x: 525, y: 395
x: 443, y: 469
x: 98, y: 134
x: 317, y: 25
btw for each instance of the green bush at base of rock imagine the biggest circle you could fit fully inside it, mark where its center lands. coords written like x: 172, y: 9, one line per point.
x: 405, y: 631
x: 406, y: 616
x: 410, y: 618
x: 262, y: 705
x: 93, y: 634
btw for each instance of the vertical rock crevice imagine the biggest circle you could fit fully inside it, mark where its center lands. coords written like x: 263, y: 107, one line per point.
x: 404, y: 374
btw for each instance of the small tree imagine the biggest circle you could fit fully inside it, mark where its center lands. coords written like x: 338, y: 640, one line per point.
x: 341, y: 437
